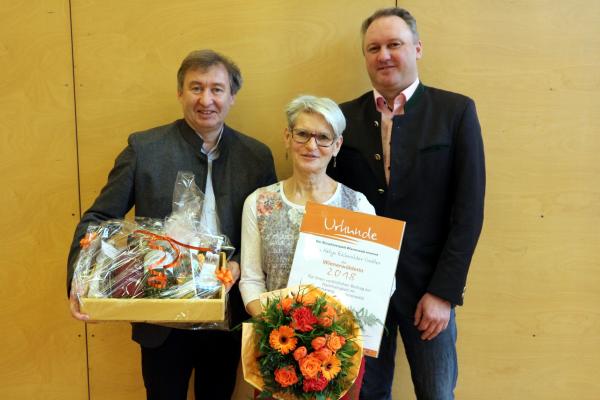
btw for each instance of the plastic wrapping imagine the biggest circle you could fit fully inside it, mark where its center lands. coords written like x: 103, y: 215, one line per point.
x: 156, y: 270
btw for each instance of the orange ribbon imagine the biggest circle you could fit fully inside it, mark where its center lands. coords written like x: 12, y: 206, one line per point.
x: 159, y: 279
x: 224, y: 275
x: 172, y: 242
x: 85, y: 242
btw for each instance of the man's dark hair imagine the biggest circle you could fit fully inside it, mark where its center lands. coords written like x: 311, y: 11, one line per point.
x: 392, y: 12
x: 203, y: 60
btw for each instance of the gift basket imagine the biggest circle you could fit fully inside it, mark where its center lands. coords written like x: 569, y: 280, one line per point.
x: 171, y: 270
x: 305, y: 345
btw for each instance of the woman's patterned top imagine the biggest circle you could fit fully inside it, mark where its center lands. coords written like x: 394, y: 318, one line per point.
x: 270, y: 229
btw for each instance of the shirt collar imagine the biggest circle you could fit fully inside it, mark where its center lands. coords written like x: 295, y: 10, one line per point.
x: 214, y: 152
x: 407, y: 93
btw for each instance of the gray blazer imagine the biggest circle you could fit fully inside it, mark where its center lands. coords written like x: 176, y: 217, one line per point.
x: 144, y: 176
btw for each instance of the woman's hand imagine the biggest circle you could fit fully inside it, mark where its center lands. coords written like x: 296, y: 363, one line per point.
x: 254, y: 308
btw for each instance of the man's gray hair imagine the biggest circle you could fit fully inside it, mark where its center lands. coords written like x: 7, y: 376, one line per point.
x: 203, y: 60
x: 392, y: 12
x: 317, y: 105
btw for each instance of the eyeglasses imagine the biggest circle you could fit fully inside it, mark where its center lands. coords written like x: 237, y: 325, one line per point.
x: 303, y: 136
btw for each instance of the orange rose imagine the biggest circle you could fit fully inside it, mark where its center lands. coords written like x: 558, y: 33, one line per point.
x: 328, y: 311
x: 318, y: 342
x: 300, y: 353
x: 323, y: 353
x: 307, y: 298
x: 285, y: 304
x: 335, y: 342
x: 310, y: 366
x: 286, y: 376
x: 325, y: 322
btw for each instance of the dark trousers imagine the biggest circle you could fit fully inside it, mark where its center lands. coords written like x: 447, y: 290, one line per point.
x: 214, y: 355
x: 433, y: 363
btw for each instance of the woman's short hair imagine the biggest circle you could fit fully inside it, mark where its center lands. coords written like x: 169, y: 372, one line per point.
x: 317, y: 105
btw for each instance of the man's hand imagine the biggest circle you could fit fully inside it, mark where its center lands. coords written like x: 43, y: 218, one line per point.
x: 74, y: 306
x: 432, y: 316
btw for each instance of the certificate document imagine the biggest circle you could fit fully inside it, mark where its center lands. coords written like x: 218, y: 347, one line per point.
x: 353, y: 257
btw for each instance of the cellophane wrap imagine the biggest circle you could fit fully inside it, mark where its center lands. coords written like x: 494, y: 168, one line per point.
x: 174, y: 258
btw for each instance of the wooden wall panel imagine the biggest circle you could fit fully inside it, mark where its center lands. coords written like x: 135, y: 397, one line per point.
x: 43, y: 349
x: 126, y: 64
x: 530, y: 327
x: 126, y: 57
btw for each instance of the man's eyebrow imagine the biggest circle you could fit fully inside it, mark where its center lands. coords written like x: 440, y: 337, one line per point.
x: 210, y: 84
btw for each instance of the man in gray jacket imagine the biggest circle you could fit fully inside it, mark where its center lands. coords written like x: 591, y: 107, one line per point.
x: 228, y: 166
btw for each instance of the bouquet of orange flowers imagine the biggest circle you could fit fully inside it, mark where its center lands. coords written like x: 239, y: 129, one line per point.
x: 305, y: 345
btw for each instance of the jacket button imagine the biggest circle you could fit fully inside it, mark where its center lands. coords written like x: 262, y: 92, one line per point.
x: 378, y: 157
x: 380, y: 191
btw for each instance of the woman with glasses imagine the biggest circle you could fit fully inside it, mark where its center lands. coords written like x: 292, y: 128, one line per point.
x: 273, y: 214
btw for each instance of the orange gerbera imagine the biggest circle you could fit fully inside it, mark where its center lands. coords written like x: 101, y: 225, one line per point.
x: 283, y: 339
x: 331, y: 367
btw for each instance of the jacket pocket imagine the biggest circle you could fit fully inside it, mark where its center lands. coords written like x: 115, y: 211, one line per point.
x: 433, y: 147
